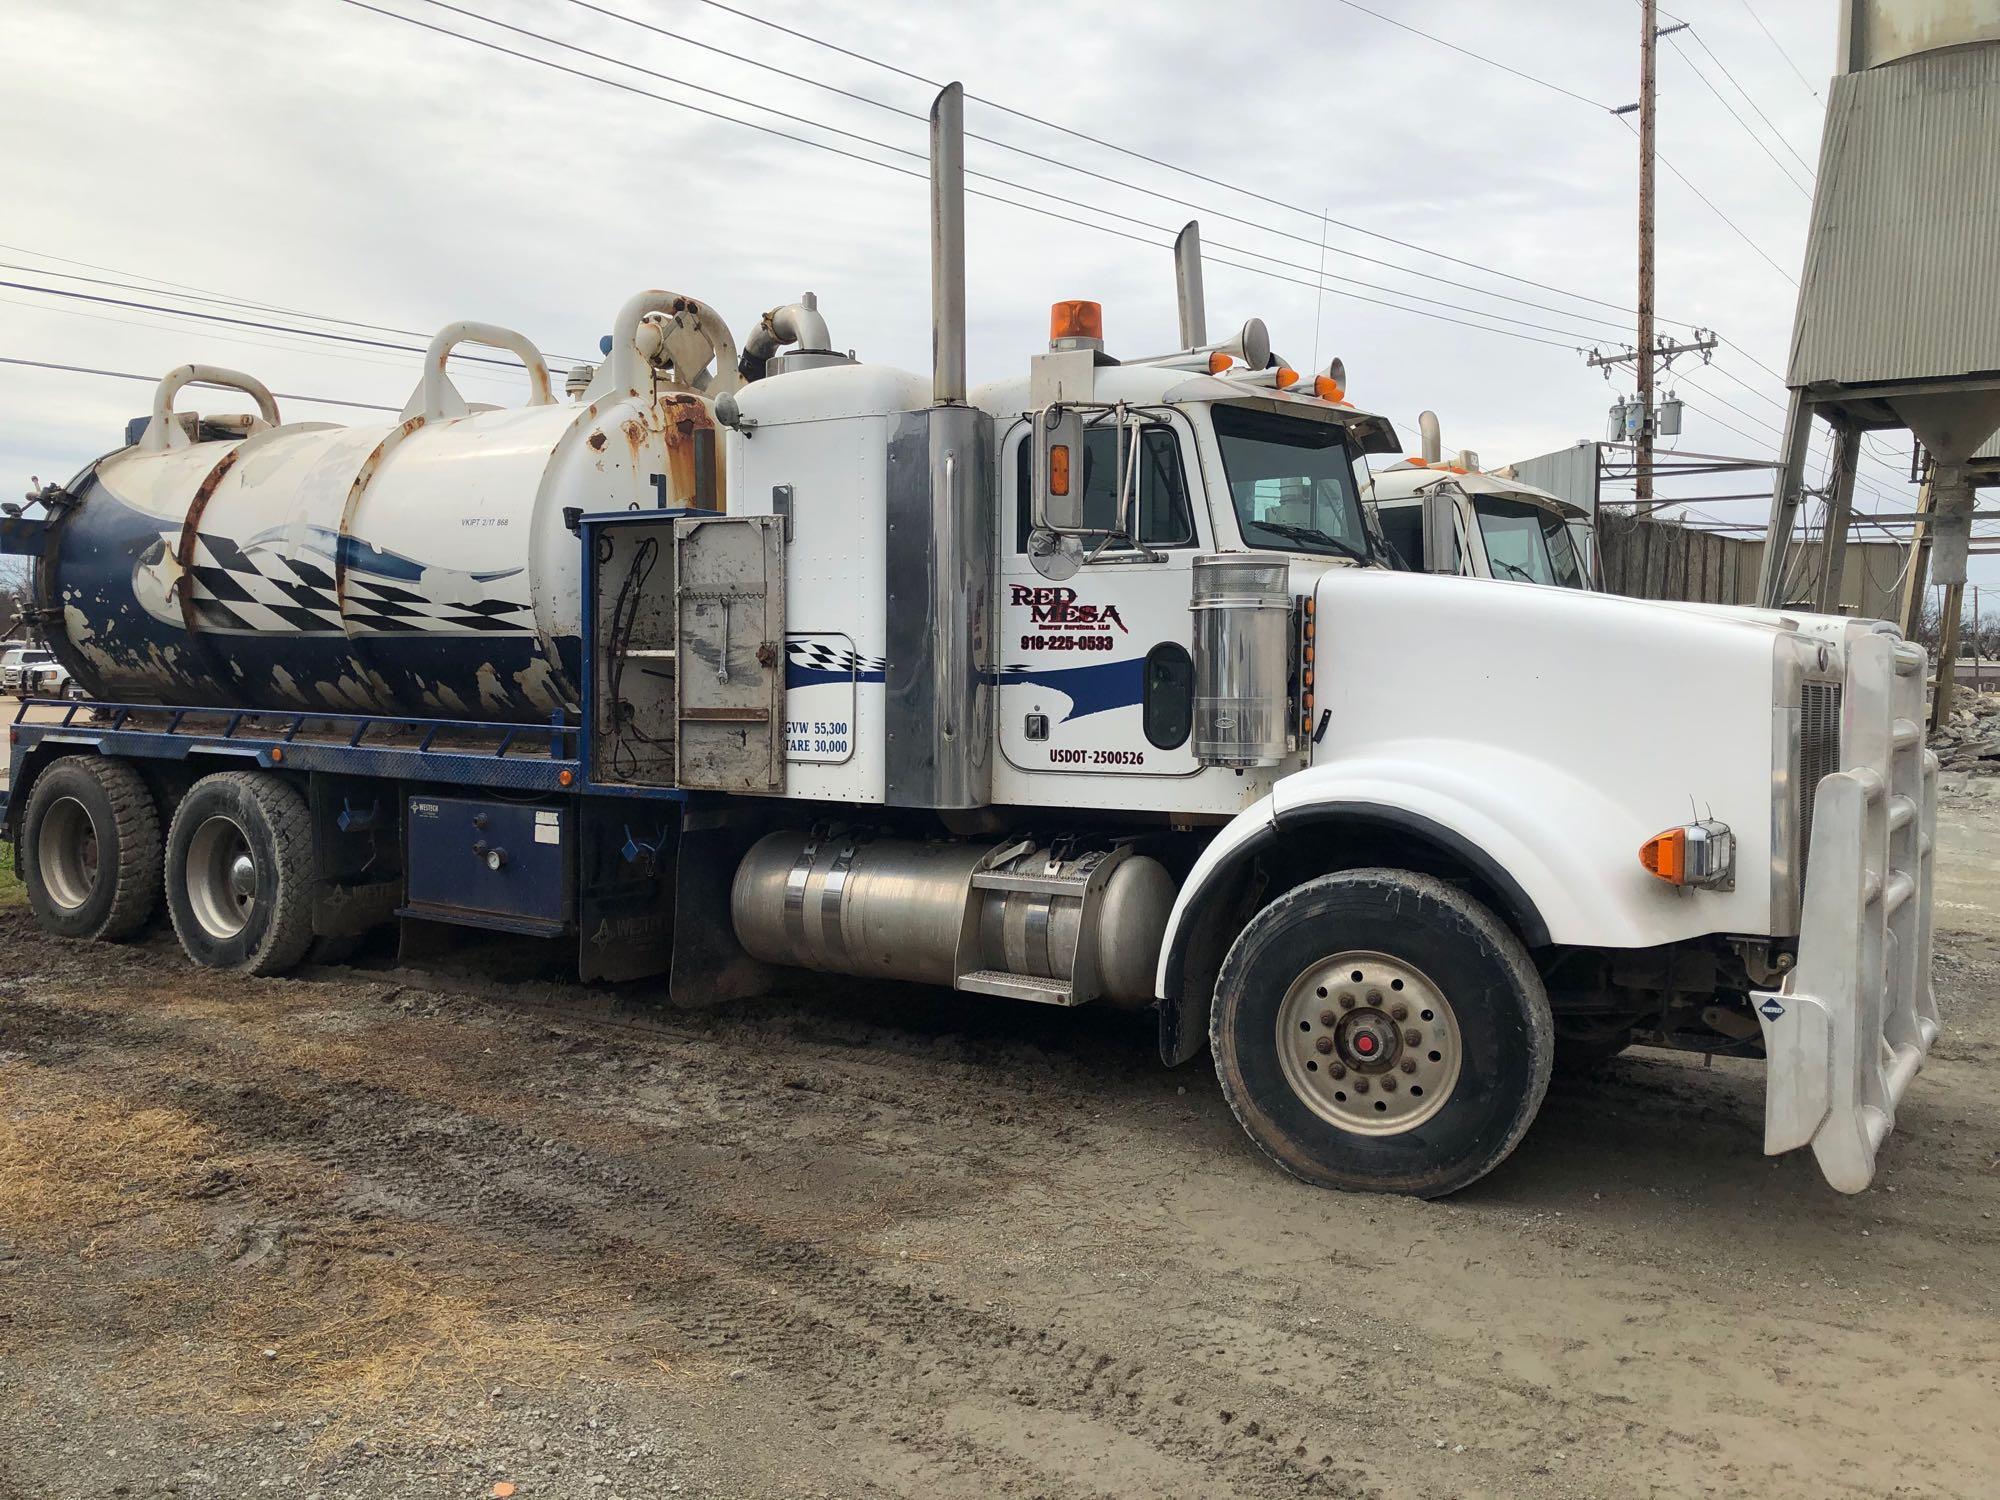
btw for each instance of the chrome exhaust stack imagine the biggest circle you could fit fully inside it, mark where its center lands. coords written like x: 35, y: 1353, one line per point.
x: 948, y: 246
x: 1187, y: 286
x: 937, y: 676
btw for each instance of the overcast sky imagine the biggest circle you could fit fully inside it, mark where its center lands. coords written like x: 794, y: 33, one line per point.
x: 315, y: 156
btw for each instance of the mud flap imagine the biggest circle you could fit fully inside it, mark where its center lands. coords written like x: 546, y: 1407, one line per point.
x: 708, y: 962
x: 625, y: 888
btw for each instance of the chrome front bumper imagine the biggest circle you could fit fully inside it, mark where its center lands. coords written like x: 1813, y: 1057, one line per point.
x: 1850, y: 1024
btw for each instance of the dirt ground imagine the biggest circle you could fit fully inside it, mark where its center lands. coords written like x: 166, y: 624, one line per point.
x: 372, y: 1232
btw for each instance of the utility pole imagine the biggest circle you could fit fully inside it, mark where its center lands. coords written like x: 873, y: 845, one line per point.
x: 1649, y: 48
x: 1648, y: 349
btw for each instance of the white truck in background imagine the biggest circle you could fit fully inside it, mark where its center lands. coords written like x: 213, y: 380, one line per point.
x: 1089, y: 685
x: 1454, y: 518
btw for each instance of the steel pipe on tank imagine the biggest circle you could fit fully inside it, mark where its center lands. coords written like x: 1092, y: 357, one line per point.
x: 164, y: 432
x: 437, y: 397
x: 632, y: 369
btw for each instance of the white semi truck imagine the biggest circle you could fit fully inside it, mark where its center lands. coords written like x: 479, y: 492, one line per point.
x: 1085, y: 686
x: 1455, y: 518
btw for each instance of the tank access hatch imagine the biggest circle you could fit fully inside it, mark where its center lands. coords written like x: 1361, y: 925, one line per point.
x: 687, y: 646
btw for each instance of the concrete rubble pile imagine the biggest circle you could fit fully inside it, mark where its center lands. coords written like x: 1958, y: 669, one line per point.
x: 1969, y: 740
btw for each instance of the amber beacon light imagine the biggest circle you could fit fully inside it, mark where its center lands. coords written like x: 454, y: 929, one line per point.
x: 1076, y: 320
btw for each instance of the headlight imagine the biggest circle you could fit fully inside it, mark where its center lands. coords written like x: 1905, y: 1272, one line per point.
x: 1699, y: 854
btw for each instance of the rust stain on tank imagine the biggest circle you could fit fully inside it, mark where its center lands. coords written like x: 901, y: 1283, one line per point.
x: 596, y: 441
x: 688, y: 428
x: 184, y: 554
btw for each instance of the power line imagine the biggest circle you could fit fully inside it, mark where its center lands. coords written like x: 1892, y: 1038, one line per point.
x: 1010, y: 183
x: 1137, y: 155
x: 1894, y: 472
x: 153, y: 285
x: 44, y: 364
x: 280, y: 342
x: 1870, y: 485
x: 1780, y: 46
x: 1068, y: 166
x: 1740, y: 234
x: 1750, y: 99
x: 210, y: 317
x: 972, y: 192
x: 1783, y: 170
x: 1478, y: 57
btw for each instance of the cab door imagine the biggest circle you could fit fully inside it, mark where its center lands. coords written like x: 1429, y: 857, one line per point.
x: 1096, y: 660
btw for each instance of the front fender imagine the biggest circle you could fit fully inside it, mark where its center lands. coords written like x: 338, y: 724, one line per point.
x: 1559, y: 853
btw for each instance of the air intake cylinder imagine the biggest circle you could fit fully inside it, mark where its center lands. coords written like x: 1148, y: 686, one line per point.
x: 1242, y: 659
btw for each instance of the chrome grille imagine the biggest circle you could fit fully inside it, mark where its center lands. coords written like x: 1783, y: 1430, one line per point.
x: 1819, y: 754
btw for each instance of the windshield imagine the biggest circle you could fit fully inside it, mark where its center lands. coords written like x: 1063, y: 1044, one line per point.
x: 1526, y: 543
x: 1292, y: 482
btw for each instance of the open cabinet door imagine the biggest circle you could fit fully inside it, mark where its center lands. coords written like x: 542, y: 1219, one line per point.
x: 729, y: 680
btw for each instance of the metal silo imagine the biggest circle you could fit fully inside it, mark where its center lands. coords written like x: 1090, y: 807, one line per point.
x: 1899, y: 307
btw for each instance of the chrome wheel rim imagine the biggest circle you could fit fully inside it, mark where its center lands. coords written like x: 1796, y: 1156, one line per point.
x: 221, y: 877
x: 66, y: 853
x: 1369, y: 1043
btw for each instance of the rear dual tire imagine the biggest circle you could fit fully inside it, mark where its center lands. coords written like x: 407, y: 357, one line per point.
x: 90, y: 849
x: 240, y: 873
x: 1381, y: 1031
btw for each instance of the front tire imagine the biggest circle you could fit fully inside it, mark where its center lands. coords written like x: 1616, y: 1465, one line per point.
x: 1381, y: 1031
x: 90, y: 849
x: 239, y: 873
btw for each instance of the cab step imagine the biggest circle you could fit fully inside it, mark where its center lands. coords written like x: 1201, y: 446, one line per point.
x: 1017, y: 986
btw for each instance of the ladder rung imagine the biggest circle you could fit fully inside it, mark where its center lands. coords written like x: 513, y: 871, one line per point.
x: 1899, y: 889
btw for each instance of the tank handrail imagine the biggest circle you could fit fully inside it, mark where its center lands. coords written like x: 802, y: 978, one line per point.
x: 437, y: 397
x: 633, y: 348
x: 164, y: 432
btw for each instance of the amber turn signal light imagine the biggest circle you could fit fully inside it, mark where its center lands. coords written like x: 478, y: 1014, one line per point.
x: 1665, y: 855
x: 1702, y: 854
x: 1059, y: 469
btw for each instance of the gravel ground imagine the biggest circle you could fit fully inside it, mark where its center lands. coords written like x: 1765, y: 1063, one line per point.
x: 373, y: 1232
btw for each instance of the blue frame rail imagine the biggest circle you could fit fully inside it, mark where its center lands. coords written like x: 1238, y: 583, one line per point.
x: 523, y: 757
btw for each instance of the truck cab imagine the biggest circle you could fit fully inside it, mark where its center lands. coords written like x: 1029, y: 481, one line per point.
x: 1452, y: 518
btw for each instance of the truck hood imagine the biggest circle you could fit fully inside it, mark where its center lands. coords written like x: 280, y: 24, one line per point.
x: 1579, y: 725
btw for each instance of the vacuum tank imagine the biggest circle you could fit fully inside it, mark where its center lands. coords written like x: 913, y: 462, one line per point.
x: 422, y: 567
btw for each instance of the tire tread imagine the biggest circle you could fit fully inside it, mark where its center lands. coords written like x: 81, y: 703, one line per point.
x: 1478, y: 920
x: 289, y: 932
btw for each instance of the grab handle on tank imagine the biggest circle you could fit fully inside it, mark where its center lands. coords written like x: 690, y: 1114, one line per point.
x: 636, y: 344
x: 437, y: 397
x: 165, y: 431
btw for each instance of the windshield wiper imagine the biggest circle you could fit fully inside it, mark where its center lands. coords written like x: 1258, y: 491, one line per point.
x: 1518, y: 572
x: 1315, y: 537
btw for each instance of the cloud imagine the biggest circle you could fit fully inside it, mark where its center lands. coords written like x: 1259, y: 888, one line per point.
x: 321, y: 157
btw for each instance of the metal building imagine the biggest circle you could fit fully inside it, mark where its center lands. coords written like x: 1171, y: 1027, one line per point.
x: 1898, y: 320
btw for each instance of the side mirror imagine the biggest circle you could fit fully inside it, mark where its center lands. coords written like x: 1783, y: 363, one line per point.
x: 1059, y: 470
x: 1440, y: 531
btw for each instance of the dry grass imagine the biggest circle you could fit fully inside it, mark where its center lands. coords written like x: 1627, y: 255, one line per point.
x: 373, y: 1335
x: 12, y: 891
x: 73, y: 1171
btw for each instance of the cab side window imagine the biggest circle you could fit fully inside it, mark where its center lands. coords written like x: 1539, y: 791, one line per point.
x: 1403, y: 529
x: 1163, y: 516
